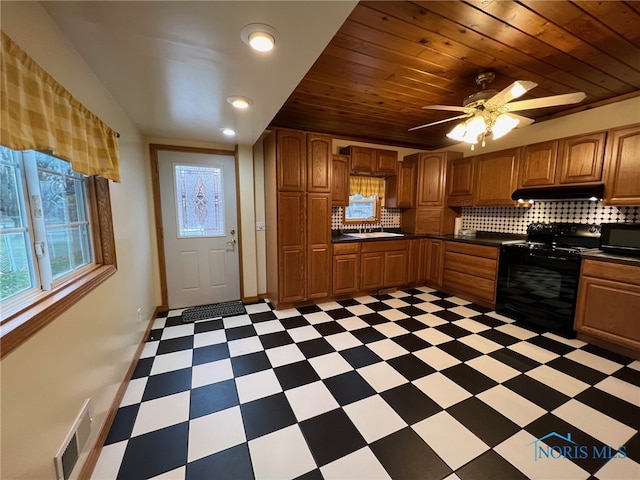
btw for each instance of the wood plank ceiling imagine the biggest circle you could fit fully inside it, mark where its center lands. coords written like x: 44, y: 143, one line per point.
x: 391, y: 58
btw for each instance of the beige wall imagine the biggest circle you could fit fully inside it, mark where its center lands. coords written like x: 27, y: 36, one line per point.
x: 87, y: 350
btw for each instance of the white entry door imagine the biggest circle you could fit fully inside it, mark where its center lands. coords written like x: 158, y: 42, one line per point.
x: 199, y: 217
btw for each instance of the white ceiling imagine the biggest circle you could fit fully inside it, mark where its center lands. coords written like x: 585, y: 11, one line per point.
x: 172, y: 65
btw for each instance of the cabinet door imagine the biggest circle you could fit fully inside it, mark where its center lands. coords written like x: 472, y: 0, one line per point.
x: 340, y: 181
x: 434, y: 262
x: 363, y: 159
x: 386, y: 161
x: 538, y: 165
x: 291, y: 246
x: 496, y: 177
x: 414, y: 273
x: 460, y: 182
x: 291, y: 154
x: 580, y: 158
x: 371, y: 271
x: 395, y: 268
x: 319, y: 245
x: 622, y: 165
x: 607, y: 310
x: 318, y: 163
x: 345, y: 274
x: 431, y: 177
x: 400, y: 189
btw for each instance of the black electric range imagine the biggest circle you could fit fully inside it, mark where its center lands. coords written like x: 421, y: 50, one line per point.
x: 538, y: 278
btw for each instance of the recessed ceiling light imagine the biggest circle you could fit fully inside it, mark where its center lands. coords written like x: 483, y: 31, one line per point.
x: 239, y: 102
x: 229, y: 132
x: 259, y: 36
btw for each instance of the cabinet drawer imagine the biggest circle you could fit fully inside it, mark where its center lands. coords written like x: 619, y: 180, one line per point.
x: 471, y: 249
x: 472, y: 285
x: 345, y: 248
x: 475, y: 266
x: 611, y: 271
x: 386, y: 246
x: 460, y: 200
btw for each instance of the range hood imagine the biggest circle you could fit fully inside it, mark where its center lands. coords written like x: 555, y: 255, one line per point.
x: 560, y: 193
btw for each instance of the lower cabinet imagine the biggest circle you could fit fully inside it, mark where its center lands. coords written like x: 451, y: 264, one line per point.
x: 471, y: 270
x: 434, y: 262
x: 346, y: 268
x: 608, y: 303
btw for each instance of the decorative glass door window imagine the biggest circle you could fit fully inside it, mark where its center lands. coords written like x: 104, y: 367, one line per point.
x: 199, y: 201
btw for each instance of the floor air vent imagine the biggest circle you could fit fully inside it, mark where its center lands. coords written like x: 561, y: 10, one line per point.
x: 69, y: 453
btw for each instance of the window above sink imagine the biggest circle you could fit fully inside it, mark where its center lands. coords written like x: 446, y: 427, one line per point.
x: 365, y: 199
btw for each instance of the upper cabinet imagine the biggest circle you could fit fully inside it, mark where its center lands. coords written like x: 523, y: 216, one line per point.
x: 566, y: 161
x: 496, y: 177
x: 622, y: 166
x: 291, y: 151
x: 432, y: 171
x: 400, y: 189
x: 340, y: 181
x: 580, y: 158
x: 538, y: 166
x: 460, y: 182
x: 318, y: 164
x: 371, y: 160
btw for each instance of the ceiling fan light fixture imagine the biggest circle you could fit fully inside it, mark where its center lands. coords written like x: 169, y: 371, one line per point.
x: 259, y: 36
x: 503, y: 125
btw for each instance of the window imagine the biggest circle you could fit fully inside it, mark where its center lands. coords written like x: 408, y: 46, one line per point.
x: 44, y: 205
x: 55, y: 235
x: 362, y: 209
x: 199, y: 201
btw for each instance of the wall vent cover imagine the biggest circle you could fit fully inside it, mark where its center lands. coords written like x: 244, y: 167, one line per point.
x: 69, y: 452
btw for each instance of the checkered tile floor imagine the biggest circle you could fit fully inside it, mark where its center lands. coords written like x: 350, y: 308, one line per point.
x: 413, y: 385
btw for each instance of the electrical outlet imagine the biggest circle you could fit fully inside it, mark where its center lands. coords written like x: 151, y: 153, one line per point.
x: 260, y: 226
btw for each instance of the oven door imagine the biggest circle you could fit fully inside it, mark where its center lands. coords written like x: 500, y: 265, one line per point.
x: 538, y: 287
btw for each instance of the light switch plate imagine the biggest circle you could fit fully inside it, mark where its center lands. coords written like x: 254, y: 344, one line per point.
x: 260, y: 226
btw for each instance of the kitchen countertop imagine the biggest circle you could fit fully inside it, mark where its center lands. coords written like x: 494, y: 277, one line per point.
x: 612, y: 257
x: 493, y: 239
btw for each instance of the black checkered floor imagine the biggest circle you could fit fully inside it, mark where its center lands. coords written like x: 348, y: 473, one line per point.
x: 413, y: 385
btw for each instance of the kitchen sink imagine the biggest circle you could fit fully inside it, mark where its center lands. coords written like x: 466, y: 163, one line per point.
x: 374, y: 235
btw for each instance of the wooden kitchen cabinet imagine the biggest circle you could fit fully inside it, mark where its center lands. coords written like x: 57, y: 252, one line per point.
x: 383, y: 264
x: 622, y: 166
x: 298, y: 181
x: 340, y: 181
x: 417, y: 258
x: 292, y: 246
x: 430, y: 216
x: 496, y: 177
x: 400, y: 189
x: 319, y: 170
x: 538, y: 164
x: 346, y: 268
x: 318, y: 245
x: 608, y: 304
x: 434, y: 263
x: 291, y: 152
x: 580, y: 158
x: 470, y: 271
x: 460, y: 182
x: 567, y: 161
x: 371, y: 160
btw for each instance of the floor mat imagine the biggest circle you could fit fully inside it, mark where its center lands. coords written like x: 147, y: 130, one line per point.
x: 216, y: 310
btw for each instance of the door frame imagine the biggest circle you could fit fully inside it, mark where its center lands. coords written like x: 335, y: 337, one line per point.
x: 155, y: 184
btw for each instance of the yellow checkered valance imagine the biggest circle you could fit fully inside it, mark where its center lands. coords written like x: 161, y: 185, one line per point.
x: 366, y: 186
x: 37, y: 113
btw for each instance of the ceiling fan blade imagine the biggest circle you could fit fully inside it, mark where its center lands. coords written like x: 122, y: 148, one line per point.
x: 466, y: 115
x: 513, y: 91
x: 524, y: 121
x: 566, y: 99
x: 449, y: 108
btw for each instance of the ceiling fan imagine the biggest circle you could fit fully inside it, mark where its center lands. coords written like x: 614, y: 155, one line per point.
x: 490, y: 111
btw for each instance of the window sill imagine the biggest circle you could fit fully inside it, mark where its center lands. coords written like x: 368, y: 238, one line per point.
x: 22, y: 325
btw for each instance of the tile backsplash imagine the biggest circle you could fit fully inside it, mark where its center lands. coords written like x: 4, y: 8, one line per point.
x: 515, y: 220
